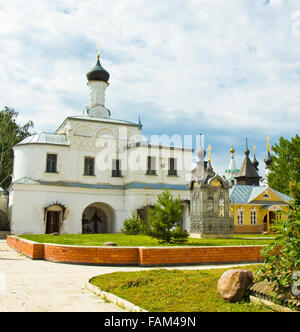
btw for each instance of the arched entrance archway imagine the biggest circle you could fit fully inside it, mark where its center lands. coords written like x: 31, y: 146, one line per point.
x: 98, y: 218
x: 54, y: 215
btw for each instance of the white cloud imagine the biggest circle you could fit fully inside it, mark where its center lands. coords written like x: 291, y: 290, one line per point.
x: 228, y: 67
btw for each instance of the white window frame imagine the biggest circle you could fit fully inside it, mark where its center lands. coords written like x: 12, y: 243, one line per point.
x: 240, y: 216
x: 253, y: 216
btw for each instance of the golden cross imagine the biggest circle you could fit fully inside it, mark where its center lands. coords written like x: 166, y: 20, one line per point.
x: 254, y: 148
x: 98, y: 53
x: 209, y: 149
x: 268, y: 144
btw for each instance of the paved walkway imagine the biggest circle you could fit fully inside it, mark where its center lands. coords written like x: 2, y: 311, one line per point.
x: 27, y: 285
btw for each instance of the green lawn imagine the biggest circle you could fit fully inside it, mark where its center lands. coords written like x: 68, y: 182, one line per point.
x: 173, y: 290
x: 137, y: 240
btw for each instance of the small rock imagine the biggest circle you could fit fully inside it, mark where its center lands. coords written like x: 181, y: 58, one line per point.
x: 233, y: 284
x: 112, y: 244
x: 55, y: 233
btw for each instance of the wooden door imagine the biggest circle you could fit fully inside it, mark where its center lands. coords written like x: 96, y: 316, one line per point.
x: 52, y: 222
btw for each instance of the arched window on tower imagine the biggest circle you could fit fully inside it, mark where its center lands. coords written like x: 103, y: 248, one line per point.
x: 240, y: 216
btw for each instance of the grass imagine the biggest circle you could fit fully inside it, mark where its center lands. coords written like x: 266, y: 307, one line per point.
x: 138, y: 240
x: 173, y: 290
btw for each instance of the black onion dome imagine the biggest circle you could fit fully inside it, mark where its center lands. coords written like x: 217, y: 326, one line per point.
x: 98, y: 73
x: 255, y: 163
x: 268, y: 159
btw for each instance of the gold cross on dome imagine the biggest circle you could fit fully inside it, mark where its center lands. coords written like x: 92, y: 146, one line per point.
x: 268, y: 143
x: 209, y: 150
x: 98, y: 52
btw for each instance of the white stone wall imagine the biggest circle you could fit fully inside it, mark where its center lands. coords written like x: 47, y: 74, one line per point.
x: 137, y: 165
x: 103, y: 141
x: 28, y: 204
x: 30, y: 161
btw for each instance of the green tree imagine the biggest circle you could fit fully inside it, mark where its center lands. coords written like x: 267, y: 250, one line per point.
x: 164, y: 219
x: 10, y: 134
x: 285, y: 165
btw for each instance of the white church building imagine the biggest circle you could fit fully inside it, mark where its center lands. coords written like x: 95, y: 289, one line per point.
x: 93, y: 172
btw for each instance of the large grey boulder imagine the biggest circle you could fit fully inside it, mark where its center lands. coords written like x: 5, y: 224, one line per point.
x: 233, y: 284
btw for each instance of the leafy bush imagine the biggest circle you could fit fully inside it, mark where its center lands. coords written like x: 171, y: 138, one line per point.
x: 164, y: 219
x: 134, y: 225
x: 282, y: 257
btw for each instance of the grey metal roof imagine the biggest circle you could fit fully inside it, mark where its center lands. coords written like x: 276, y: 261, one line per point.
x: 245, y: 194
x: 100, y: 120
x: 26, y: 180
x: 45, y: 138
x: 109, y: 120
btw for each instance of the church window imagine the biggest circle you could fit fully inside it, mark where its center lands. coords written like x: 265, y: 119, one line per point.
x: 51, y: 164
x: 266, y: 195
x: 221, y: 207
x: 253, y: 216
x: 151, y: 161
x: 172, y: 166
x: 116, y: 168
x: 89, y: 166
x: 240, y: 216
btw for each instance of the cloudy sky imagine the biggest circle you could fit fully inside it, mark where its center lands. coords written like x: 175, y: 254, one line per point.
x: 229, y: 69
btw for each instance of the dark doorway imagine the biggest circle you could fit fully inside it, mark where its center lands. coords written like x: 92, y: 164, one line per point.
x: 52, y: 222
x: 94, y: 221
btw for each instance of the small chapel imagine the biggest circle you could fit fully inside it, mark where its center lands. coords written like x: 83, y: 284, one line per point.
x: 254, y: 204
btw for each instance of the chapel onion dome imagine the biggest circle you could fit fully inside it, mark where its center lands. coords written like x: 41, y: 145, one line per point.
x: 268, y: 159
x: 255, y: 163
x: 98, y: 73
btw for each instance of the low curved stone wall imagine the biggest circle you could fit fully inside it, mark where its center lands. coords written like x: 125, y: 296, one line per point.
x: 136, y: 256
